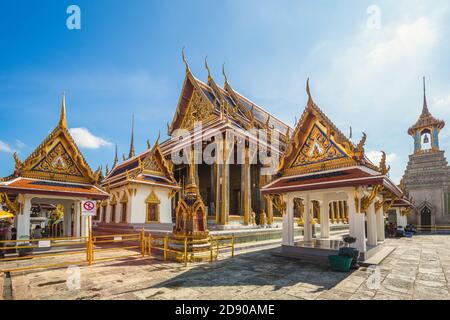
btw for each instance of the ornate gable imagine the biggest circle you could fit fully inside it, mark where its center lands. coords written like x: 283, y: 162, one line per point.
x: 57, y: 158
x: 155, y: 164
x: 197, y: 103
x: 318, y: 145
x: 317, y: 148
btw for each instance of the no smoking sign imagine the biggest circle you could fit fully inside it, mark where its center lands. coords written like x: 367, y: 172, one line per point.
x: 88, y: 208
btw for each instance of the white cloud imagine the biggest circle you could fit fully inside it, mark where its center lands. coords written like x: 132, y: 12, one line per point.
x: 443, y: 104
x: 86, y: 139
x: 5, y: 147
x: 375, y: 157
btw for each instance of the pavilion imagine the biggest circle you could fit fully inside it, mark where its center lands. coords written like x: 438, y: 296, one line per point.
x: 322, y: 167
x: 55, y: 173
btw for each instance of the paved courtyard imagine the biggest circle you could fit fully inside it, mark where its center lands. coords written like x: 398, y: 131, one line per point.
x: 419, y: 268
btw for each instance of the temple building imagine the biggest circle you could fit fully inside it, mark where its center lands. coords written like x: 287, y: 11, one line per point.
x: 230, y: 189
x: 141, y: 190
x: 427, y: 175
x: 54, y: 178
x: 322, y: 167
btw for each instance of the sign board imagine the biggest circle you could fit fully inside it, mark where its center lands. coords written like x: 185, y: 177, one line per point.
x: 44, y: 244
x: 88, y: 208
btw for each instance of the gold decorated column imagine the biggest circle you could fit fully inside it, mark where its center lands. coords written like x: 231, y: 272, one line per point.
x: 246, y: 194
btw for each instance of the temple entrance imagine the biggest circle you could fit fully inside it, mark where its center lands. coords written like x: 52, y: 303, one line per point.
x: 425, y: 217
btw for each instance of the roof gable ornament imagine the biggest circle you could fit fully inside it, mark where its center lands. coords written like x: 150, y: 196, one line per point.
x: 57, y: 158
x: 317, y: 144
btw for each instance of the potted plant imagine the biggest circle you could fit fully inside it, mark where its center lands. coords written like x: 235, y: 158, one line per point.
x: 348, y: 251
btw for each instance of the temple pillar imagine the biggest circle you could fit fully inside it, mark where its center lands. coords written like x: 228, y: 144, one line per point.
x: 356, y: 224
x: 67, y: 218
x: 269, y: 211
x: 23, y: 219
x: 307, y: 225
x: 371, y: 226
x: 288, y: 223
x: 380, y: 223
x: 324, y: 219
x: 222, y: 184
x: 77, y: 219
x: 246, y: 196
x: 333, y: 216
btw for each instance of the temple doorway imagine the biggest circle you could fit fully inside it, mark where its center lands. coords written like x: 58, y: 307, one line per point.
x: 425, y: 217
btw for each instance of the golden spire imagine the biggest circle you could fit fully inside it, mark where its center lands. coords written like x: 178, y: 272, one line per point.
x: 425, y: 105
x: 185, y: 61
x: 224, y: 74
x: 63, y: 118
x: 207, y: 68
x: 116, y: 158
x: 191, y: 186
x: 132, y: 152
x: 308, y: 91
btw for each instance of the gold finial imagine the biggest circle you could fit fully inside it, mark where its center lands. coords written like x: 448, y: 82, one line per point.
x: 351, y: 133
x: 224, y: 74
x: 308, y: 91
x: 383, y: 168
x: 116, y: 158
x: 63, y: 117
x: 132, y: 152
x: 107, y: 169
x: 168, y: 128
x: 185, y: 61
x: 207, y: 68
x: 425, y: 105
x: 123, y: 157
x: 17, y: 161
x: 149, y: 146
x: 157, y: 139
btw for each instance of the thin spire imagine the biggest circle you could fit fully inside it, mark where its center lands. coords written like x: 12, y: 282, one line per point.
x: 63, y: 117
x: 207, y: 68
x: 308, y: 91
x: 425, y: 105
x: 116, y: 158
x: 183, y: 56
x: 131, y: 154
x: 224, y: 74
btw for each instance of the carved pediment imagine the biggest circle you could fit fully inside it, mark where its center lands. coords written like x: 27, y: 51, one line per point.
x: 58, y: 161
x: 317, y: 148
x: 198, y: 110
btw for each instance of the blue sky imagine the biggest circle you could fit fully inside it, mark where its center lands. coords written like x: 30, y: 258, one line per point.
x: 127, y: 59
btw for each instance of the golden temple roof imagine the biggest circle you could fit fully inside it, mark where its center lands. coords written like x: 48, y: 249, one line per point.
x: 57, y: 158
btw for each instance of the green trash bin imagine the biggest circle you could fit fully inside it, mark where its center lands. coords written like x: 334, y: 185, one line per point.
x: 340, y: 263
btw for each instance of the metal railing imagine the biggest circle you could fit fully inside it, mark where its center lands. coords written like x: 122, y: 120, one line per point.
x: 93, y: 247
x: 163, y: 244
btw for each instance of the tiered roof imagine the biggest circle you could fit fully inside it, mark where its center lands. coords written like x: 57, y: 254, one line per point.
x: 56, y: 167
x: 149, y: 167
x: 319, y: 156
x: 426, y: 119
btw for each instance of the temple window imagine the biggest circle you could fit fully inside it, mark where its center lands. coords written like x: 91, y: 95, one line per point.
x: 152, y: 205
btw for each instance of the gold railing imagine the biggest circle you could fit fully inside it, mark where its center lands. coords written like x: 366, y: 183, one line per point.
x: 92, y: 246
x: 88, y: 246
x: 162, y: 244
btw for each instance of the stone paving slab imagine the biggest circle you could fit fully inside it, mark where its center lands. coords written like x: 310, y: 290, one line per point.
x: 419, y: 268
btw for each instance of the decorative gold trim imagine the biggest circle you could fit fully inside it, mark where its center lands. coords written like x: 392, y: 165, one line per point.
x: 152, y: 199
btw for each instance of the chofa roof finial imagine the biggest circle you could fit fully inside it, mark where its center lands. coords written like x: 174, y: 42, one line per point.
x: 184, y: 60
x: 207, y: 68
x: 224, y: 74
x: 308, y: 92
